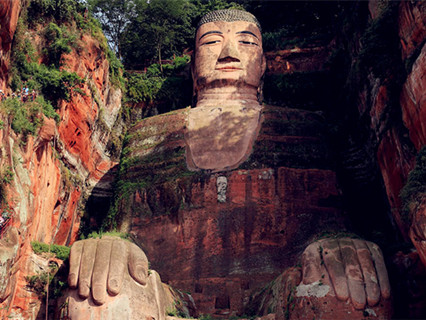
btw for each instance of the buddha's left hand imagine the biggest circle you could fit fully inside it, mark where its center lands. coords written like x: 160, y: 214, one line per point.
x: 353, y: 268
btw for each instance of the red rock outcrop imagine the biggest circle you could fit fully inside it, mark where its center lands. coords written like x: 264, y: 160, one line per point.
x: 9, y: 13
x: 297, y: 60
x: 412, y: 26
x: 394, y: 155
x: 55, y: 170
x: 413, y: 101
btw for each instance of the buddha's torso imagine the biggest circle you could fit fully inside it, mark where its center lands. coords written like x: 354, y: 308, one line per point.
x: 224, y: 233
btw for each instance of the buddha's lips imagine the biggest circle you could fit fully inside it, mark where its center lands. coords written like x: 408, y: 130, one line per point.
x: 228, y: 69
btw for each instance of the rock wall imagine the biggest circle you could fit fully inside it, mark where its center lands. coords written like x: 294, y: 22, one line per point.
x: 55, y: 170
x: 9, y: 13
x: 221, y: 245
x: 399, y: 142
x: 390, y: 113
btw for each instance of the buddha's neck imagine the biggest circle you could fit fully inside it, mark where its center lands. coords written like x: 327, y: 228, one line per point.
x: 227, y: 96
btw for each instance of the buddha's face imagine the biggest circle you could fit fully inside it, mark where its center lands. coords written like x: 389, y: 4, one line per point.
x: 228, y: 53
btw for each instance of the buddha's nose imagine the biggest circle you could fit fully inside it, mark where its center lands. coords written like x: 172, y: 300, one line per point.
x: 229, y: 53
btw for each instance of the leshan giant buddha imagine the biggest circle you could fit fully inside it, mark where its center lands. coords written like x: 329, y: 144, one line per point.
x: 219, y: 218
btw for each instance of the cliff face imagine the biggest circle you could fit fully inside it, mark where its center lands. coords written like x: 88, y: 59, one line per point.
x: 400, y: 133
x: 219, y: 236
x: 55, y: 170
x: 390, y: 113
x: 9, y: 13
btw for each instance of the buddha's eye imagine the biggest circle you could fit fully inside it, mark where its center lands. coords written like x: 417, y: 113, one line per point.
x: 249, y: 43
x: 211, y: 42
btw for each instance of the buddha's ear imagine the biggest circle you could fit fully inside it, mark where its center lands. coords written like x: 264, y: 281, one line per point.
x: 194, y: 93
x: 192, y: 63
x: 263, y: 65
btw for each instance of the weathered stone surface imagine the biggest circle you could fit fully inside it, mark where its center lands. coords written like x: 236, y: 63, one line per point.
x: 297, y: 60
x: 412, y: 26
x: 220, y: 138
x: 9, y: 13
x: 409, y: 287
x: 58, y: 167
x: 413, y: 101
x: 418, y: 229
x: 135, y: 302
x: 351, y: 270
x: 222, y: 251
x: 110, y: 278
x: 313, y: 307
x: 395, y: 158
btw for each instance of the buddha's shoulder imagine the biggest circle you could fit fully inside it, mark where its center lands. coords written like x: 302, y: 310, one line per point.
x: 170, y: 121
x: 270, y: 111
x: 157, y: 134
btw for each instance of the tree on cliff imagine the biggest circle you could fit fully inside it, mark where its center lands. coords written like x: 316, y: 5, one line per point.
x: 114, y: 16
x: 159, y: 29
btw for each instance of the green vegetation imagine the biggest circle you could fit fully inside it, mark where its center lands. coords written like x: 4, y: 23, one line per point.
x: 42, y: 11
x: 6, y: 177
x: 414, y: 190
x: 171, y: 88
x: 26, y: 117
x: 38, y: 283
x: 380, y: 51
x: 136, y: 174
x: 156, y: 30
x: 100, y: 234
x: 174, y: 312
x: 288, y: 37
x: 61, y: 252
x: 304, y: 90
x: 58, y: 42
x: 54, y: 84
x: 336, y: 235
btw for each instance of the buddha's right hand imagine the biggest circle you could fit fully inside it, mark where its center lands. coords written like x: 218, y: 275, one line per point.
x: 99, y: 265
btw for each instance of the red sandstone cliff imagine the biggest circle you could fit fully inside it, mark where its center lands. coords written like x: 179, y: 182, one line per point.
x: 55, y: 170
x: 394, y: 156
x: 45, y: 201
x: 9, y: 13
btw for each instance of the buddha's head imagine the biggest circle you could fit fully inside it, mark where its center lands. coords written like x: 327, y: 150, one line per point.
x: 228, y: 52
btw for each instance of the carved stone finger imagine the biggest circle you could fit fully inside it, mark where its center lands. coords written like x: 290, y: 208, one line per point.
x: 86, y: 267
x: 75, y: 258
x: 372, y: 288
x: 117, y: 266
x: 100, y: 271
x: 311, y: 263
x: 334, y: 265
x: 381, y: 271
x: 138, y: 264
x: 353, y: 273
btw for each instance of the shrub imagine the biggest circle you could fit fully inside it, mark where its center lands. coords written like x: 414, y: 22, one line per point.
x: 61, y: 252
x: 40, y: 11
x: 169, y: 89
x: 100, y: 234
x: 59, y: 41
x: 26, y: 116
x: 380, y: 51
x: 115, y: 69
x: 53, y: 83
x: 415, y: 189
x: 38, y: 283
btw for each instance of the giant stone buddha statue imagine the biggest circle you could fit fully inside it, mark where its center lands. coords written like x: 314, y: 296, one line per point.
x: 264, y: 219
